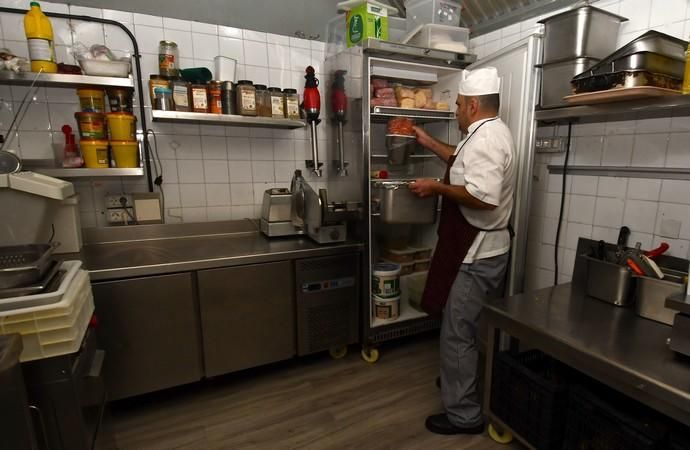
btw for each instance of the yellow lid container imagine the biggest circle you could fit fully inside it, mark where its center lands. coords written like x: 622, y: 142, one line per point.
x: 125, y: 153
x: 91, y: 100
x: 95, y: 154
x: 122, y: 126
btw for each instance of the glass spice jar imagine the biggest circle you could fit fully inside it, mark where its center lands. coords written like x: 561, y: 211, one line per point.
x: 168, y: 59
x: 163, y: 100
x: 263, y: 101
x: 277, y: 108
x: 291, y: 105
x: 214, y: 97
x: 246, y: 98
x: 157, y: 81
x: 199, y: 98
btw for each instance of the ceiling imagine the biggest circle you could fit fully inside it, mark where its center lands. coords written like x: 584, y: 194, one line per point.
x: 310, y: 17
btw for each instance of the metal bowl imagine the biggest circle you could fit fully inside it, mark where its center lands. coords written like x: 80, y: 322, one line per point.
x: 399, y: 148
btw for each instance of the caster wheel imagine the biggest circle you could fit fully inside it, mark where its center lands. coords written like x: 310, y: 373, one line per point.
x: 370, y: 355
x: 503, y: 437
x: 338, y: 352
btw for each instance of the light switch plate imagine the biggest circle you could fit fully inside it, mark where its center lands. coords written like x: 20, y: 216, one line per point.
x: 147, y: 208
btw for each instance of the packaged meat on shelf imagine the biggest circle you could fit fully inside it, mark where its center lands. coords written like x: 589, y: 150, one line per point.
x: 386, y: 93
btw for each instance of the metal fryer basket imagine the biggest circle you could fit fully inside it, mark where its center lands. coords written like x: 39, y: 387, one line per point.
x: 21, y: 265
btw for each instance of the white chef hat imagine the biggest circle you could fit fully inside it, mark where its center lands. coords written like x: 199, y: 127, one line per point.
x: 482, y: 81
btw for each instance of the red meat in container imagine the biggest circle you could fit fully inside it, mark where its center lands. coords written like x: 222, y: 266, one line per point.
x: 384, y: 93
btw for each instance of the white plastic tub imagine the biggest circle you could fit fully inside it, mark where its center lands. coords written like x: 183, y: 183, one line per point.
x: 41, y: 302
x: 441, y: 37
x: 441, y: 12
x: 95, y: 67
x: 385, y: 280
x: 387, y: 309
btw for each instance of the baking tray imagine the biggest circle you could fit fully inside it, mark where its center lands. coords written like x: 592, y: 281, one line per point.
x: 647, y: 61
x: 43, y: 285
x: 23, y: 265
x: 618, y: 95
x: 626, y: 79
x: 651, y: 41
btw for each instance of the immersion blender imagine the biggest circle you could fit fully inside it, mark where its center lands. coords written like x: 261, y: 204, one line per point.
x: 312, y: 107
x: 339, y: 107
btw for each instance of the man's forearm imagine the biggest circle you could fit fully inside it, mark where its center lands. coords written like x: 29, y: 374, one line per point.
x: 441, y: 149
x: 460, y: 195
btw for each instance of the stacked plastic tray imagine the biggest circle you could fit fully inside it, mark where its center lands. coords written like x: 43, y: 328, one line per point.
x: 57, y: 328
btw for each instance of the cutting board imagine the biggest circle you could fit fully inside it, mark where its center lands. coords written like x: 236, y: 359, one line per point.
x: 619, y: 95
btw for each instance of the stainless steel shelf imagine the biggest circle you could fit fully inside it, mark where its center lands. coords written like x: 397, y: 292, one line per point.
x: 409, y: 156
x: 89, y: 173
x: 662, y: 173
x: 384, y: 113
x: 62, y: 80
x: 225, y: 119
x: 652, y: 107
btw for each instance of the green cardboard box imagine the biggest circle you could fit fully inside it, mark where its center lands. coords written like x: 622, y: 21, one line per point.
x: 366, y: 21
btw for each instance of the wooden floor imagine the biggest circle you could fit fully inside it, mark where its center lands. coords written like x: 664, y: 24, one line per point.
x: 314, y: 403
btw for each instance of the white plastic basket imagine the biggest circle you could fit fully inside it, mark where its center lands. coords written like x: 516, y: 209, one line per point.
x: 9, y: 306
x: 95, y: 67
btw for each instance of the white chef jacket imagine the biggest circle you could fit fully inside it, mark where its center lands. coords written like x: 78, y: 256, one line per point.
x: 486, y: 167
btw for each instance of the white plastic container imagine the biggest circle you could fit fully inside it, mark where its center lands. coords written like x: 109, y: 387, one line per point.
x: 95, y: 67
x: 53, y: 330
x: 39, y: 302
x: 386, y: 309
x: 441, y: 37
x: 224, y: 68
x: 385, y: 280
x: 440, y: 12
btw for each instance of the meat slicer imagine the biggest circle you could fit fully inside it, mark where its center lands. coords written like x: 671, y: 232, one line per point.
x: 323, y: 221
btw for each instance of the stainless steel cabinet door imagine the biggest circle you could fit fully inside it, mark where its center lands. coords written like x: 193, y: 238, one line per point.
x: 247, y: 316
x: 149, y: 329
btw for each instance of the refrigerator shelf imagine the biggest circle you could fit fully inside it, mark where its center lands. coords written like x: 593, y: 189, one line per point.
x: 384, y: 113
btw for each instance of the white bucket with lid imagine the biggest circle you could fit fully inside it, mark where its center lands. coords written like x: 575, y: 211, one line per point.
x: 385, y: 280
x: 387, y: 309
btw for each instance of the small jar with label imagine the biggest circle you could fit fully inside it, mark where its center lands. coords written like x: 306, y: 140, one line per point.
x: 214, y: 97
x: 168, y: 59
x: 228, y: 100
x: 277, y: 108
x: 263, y: 101
x: 181, y: 94
x: 291, y: 104
x: 199, y: 98
x: 163, y: 100
x: 246, y: 98
x: 157, y: 81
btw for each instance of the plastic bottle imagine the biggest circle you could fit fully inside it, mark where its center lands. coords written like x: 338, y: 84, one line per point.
x: 39, y: 34
x: 686, y: 76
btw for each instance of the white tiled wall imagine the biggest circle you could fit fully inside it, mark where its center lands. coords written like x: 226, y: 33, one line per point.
x: 596, y: 207
x: 210, y: 172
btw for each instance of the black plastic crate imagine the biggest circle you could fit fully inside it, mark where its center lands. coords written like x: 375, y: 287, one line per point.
x: 529, y: 393
x: 600, y: 419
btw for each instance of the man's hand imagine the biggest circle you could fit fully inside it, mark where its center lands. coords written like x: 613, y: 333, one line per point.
x: 441, y: 149
x: 425, y: 187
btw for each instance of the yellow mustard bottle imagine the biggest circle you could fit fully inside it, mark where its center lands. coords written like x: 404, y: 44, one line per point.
x: 39, y: 34
x: 686, y: 76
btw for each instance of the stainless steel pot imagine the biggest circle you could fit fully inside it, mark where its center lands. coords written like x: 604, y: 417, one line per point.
x: 555, y: 80
x: 585, y: 32
x: 395, y: 203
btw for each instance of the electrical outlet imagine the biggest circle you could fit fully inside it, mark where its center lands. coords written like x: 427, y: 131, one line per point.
x: 119, y: 216
x: 115, y: 200
x: 549, y: 145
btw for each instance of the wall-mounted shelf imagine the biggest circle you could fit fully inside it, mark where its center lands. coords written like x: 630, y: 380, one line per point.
x: 83, y: 172
x: 62, y: 80
x: 225, y: 119
x: 409, y: 156
x: 382, y: 114
x: 651, y: 107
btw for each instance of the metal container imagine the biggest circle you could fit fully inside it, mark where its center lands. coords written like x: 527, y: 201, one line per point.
x: 395, y: 203
x: 608, y: 281
x: 22, y: 265
x: 555, y: 80
x: 399, y: 148
x: 650, y: 295
x: 585, y: 32
x: 622, y: 80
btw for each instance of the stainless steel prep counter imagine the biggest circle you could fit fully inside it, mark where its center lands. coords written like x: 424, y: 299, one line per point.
x: 608, y: 343
x: 156, y: 250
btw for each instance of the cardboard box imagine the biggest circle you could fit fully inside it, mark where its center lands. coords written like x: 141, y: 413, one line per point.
x: 366, y: 21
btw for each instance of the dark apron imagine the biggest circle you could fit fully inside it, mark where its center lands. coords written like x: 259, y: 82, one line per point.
x: 455, y: 237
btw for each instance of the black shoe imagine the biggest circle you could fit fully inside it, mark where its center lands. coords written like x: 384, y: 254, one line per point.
x: 439, y: 424
x: 438, y: 382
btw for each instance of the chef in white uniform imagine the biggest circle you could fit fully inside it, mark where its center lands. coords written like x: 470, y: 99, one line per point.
x: 472, y: 252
